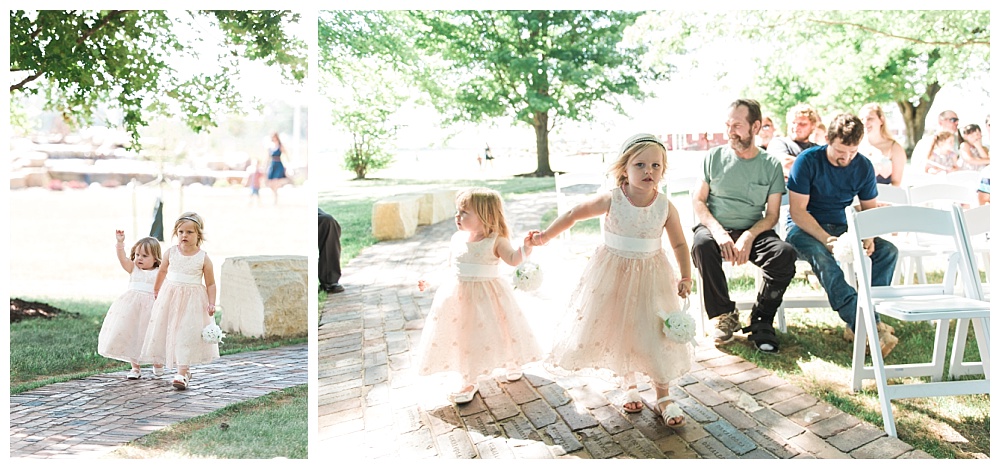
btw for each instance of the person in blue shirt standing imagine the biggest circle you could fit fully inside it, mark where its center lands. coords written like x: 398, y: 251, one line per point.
x: 823, y: 182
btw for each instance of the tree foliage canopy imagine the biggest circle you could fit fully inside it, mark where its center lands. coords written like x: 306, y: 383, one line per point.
x: 840, y: 60
x: 79, y: 60
x: 531, y: 66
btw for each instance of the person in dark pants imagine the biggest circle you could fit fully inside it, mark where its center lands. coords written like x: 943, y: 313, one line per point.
x: 329, y: 253
x: 737, y: 206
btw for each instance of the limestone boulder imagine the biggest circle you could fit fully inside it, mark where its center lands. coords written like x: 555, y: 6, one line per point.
x: 435, y: 206
x: 395, y: 217
x: 265, y: 296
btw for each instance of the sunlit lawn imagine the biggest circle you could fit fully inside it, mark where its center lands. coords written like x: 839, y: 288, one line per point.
x: 45, y: 351
x: 270, y: 426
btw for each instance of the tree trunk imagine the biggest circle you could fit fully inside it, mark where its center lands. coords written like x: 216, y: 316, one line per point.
x: 541, y: 125
x: 916, y: 116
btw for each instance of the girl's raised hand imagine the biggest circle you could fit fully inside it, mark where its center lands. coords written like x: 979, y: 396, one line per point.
x: 422, y: 285
x: 120, y: 236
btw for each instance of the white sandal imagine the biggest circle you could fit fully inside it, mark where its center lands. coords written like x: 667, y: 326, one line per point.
x: 632, y: 397
x: 671, y: 412
x: 514, y: 375
x: 464, y: 397
x: 180, y: 382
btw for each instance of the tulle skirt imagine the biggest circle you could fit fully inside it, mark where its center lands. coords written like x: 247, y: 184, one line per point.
x: 124, y: 328
x: 173, y: 338
x: 475, y: 327
x: 611, y: 324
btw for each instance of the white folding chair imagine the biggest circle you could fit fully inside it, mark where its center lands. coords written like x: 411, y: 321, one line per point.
x: 964, y: 178
x: 977, y: 224
x: 911, y: 254
x: 573, y: 188
x: 914, y: 303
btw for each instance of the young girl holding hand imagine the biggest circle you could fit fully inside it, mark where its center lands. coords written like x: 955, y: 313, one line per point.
x: 612, y: 321
x: 183, y: 305
x: 475, y: 325
x: 124, y: 329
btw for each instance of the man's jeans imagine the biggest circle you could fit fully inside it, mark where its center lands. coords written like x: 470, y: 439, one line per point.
x: 842, y: 296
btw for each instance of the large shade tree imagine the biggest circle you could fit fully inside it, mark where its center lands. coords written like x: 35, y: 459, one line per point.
x: 536, y: 66
x: 840, y: 60
x: 368, y: 70
x: 126, y: 59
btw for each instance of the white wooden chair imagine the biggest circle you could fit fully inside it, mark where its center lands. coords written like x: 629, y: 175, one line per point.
x: 573, y: 188
x: 977, y: 224
x: 911, y: 254
x: 914, y: 303
x: 964, y: 178
x: 941, y: 195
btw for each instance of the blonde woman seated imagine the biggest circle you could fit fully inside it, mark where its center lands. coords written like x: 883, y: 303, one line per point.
x: 886, y: 154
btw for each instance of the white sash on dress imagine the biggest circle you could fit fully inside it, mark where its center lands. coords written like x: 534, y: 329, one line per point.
x: 624, y: 243
x: 178, y: 277
x: 141, y: 286
x: 465, y: 269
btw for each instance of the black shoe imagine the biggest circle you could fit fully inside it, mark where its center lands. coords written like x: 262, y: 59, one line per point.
x: 335, y: 288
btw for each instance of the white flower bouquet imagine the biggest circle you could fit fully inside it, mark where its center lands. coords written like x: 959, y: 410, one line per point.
x: 843, y: 249
x: 527, y: 276
x: 678, y: 326
x: 212, y: 333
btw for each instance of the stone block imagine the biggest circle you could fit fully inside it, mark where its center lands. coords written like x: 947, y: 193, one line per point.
x: 435, y: 206
x: 265, y: 296
x: 395, y: 217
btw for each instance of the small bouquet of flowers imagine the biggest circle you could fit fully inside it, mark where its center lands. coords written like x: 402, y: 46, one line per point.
x: 527, y: 276
x: 212, y: 333
x: 843, y: 250
x: 678, y: 326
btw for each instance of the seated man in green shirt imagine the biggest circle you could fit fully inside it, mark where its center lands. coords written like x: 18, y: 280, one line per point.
x: 737, y: 206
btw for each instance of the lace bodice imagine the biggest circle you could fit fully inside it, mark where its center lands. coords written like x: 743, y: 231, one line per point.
x: 478, y: 252
x: 185, y: 268
x: 142, y: 280
x: 625, y: 219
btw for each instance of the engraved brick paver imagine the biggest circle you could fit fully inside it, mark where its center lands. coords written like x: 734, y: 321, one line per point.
x: 882, y: 448
x: 366, y: 341
x: 856, y: 437
x: 45, y: 422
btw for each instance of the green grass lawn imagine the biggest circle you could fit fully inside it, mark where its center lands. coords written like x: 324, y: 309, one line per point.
x: 45, y: 351
x: 271, y: 426
x: 815, y: 357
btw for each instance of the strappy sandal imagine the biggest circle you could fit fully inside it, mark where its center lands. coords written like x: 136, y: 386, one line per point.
x: 514, y: 375
x: 180, y: 382
x: 671, y: 412
x: 632, y: 397
x: 464, y: 397
x: 763, y: 336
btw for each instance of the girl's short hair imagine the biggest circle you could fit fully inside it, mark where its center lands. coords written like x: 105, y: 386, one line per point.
x: 488, y: 206
x: 151, y: 245
x: 198, y: 222
x: 633, y: 146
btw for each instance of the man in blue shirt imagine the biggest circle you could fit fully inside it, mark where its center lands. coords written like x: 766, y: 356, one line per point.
x: 823, y: 182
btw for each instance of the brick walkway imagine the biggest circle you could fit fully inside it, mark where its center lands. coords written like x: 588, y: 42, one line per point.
x: 91, y: 417
x: 372, y: 404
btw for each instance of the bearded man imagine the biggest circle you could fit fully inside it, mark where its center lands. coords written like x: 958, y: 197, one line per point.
x: 737, y: 206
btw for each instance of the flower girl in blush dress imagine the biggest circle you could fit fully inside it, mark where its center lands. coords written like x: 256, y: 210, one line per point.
x: 614, y: 318
x: 475, y: 324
